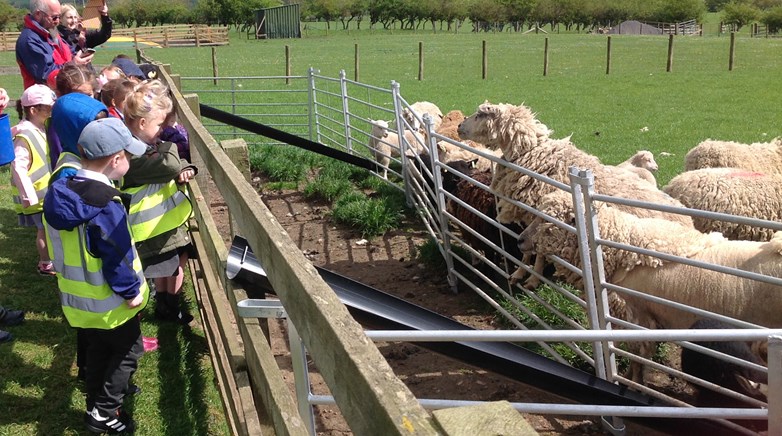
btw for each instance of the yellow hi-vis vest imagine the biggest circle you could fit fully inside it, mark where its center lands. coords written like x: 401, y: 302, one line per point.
x: 156, y: 208
x: 87, y: 300
x: 38, y: 172
x: 67, y: 160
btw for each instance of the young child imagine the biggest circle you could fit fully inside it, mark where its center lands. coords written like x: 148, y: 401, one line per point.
x: 71, y: 79
x: 31, y: 168
x: 107, y: 74
x: 70, y: 114
x: 176, y: 133
x: 113, y: 96
x: 159, y: 207
x: 102, y: 286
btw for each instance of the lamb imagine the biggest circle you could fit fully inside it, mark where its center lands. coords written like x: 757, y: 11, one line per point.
x: 643, y: 165
x: 750, y: 382
x: 731, y: 191
x: 763, y: 157
x: 385, y: 144
x: 525, y: 141
x: 450, y: 125
x: 414, y: 115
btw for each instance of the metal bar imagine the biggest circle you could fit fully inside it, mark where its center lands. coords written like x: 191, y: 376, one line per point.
x: 720, y: 335
x: 301, y: 378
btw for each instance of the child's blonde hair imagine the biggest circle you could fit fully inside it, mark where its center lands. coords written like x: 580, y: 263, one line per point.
x: 147, y: 97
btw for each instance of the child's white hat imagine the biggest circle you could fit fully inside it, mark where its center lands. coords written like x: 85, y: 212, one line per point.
x: 38, y: 94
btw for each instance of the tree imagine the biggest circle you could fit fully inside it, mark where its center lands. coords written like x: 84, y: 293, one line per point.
x: 739, y: 14
x: 10, y: 17
x: 674, y: 11
x: 773, y: 19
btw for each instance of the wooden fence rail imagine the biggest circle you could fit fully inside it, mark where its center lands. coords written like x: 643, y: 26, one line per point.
x: 179, y: 35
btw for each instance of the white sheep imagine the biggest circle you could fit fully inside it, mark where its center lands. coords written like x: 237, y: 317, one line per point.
x: 763, y: 157
x: 385, y: 144
x: 642, y: 164
x: 731, y: 191
x: 525, y: 141
x: 414, y: 115
x: 745, y: 299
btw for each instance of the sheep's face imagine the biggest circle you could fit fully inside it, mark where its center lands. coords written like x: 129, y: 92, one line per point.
x: 513, y: 129
x: 379, y: 128
x: 453, y: 117
x: 412, y: 118
x: 645, y: 159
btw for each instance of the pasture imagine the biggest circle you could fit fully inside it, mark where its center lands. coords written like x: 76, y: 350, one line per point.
x: 637, y: 106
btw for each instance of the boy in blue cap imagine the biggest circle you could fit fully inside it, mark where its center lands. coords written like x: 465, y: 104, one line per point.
x: 102, y: 286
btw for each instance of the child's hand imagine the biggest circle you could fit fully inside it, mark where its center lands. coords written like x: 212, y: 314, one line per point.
x: 3, y: 100
x: 185, y: 175
x: 135, y: 302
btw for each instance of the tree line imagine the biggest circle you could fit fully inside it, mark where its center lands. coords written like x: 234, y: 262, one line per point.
x: 449, y: 15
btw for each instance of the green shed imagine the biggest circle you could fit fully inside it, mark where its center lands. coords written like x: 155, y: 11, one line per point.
x: 278, y: 22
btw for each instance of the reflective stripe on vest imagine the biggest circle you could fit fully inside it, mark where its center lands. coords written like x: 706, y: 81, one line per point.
x: 38, y: 172
x: 87, y: 300
x: 67, y: 160
x: 157, y: 208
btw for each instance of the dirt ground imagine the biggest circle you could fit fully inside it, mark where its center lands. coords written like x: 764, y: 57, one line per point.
x: 388, y: 263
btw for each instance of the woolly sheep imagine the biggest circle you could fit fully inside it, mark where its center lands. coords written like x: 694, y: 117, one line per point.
x: 745, y: 299
x: 643, y: 165
x: 414, y: 115
x: 763, y: 157
x: 385, y: 144
x: 484, y: 202
x: 525, y: 141
x: 731, y: 191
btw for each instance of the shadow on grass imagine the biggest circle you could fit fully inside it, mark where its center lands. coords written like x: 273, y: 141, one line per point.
x: 182, y: 388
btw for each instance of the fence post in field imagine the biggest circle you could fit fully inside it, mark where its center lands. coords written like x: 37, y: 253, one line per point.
x: 484, y: 61
x: 195, y: 31
x: 287, y: 64
x: 355, y: 63
x: 608, y: 55
x: 214, y: 65
x: 420, y: 60
x: 669, y: 64
x: 774, y: 385
x: 165, y: 37
x: 732, y: 50
x: 135, y: 40
x: 545, y: 57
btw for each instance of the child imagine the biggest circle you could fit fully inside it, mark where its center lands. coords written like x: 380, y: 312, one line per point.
x: 113, y: 96
x: 31, y: 167
x: 176, y: 133
x: 102, y: 286
x: 70, y: 114
x: 107, y: 74
x: 71, y: 79
x: 155, y: 181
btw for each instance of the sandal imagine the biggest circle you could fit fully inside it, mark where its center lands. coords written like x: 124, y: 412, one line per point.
x: 46, y: 269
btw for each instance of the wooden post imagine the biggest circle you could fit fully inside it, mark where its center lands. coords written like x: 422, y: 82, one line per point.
x: 355, y: 63
x: 287, y: 65
x: 484, y: 61
x: 195, y: 31
x: 215, y: 74
x: 165, y: 37
x: 135, y: 40
x: 608, y: 55
x: 203, y: 176
x: 732, y: 50
x: 237, y: 151
x: 545, y: 57
x: 176, y: 81
x: 669, y: 64
x: 420, y: 60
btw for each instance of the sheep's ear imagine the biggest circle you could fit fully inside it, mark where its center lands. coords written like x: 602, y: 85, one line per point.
x: 489, y: 109
x: 752, y: 388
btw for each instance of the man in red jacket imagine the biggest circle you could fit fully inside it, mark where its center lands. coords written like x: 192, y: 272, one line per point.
x: 39, y: 50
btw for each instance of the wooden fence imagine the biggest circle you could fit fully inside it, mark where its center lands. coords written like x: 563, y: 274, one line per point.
x: 180, y: 35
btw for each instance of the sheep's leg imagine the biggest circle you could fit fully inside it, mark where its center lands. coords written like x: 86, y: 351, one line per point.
x: 534, y: 281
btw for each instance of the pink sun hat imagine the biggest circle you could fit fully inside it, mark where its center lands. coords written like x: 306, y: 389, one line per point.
x: 38, y: 94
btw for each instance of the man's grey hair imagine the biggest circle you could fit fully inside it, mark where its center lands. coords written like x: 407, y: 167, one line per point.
x: 39, y: 5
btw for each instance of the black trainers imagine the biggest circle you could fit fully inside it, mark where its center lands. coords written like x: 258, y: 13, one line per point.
x: 5, y: 336
x: 132, y: 390
x: 13, y: 317
x: 119, y: 423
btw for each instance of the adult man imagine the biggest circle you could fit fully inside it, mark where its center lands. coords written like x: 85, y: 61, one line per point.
x: 39, y: 50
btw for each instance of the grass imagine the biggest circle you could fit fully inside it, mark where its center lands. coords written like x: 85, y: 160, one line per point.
x: 39, y: 392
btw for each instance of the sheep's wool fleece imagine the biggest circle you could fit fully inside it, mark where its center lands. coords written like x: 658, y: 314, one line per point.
x: 764, y: 157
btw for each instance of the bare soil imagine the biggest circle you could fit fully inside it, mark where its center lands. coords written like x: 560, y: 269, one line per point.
x: 389, y: 263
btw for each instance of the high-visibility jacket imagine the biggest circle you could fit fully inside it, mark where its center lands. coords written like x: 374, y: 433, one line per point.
x: 87, y: 300
x: 67, y: 160
x: 156, y: 208
x: 39, y: 171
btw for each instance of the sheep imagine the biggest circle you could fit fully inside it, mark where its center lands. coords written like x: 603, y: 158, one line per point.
x: 385, y: 144
x: 450, y: 125
x: 732, y: 191
x: 750, y: 382
x: 414, y: 115
x: 745, y: 299
x: 525, y: 141
x: 483, y: 201
x: 763, y: 157
x: 643, y: 165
